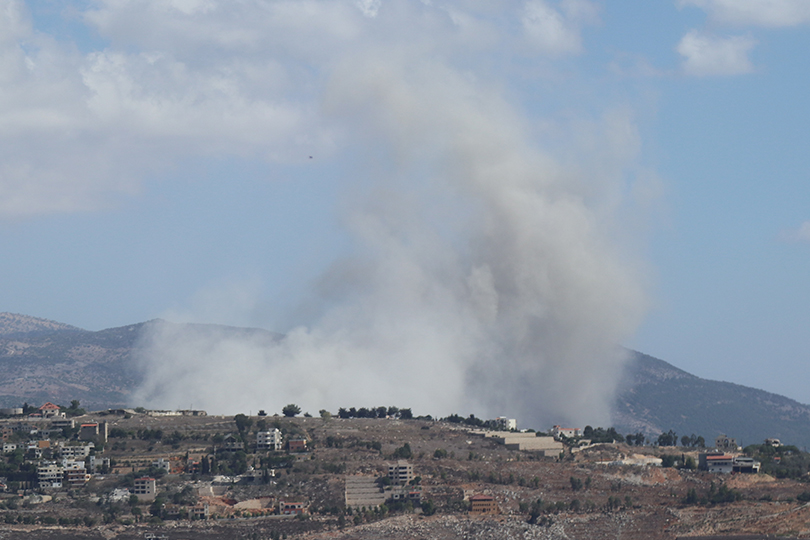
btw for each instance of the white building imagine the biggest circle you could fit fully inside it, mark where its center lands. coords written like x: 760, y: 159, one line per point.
x: 569, y: 433
x: 269, y: 440
x: 94, y: 463
x: 74, y: 451
x: 9, y: 447
x: 505, y: 424
x: 162, y: 463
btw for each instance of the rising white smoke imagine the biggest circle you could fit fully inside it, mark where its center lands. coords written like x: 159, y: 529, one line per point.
x: 484, y: 277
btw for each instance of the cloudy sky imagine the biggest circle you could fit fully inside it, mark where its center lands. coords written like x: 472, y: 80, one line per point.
x: 233, y: 162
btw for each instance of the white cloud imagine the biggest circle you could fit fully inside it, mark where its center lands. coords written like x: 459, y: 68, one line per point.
x: 557, y: 30
x: 186, y: 78
x: 369, y: 8
x: 767, y: 13
x: 800, y: 234
x: 712, y: 55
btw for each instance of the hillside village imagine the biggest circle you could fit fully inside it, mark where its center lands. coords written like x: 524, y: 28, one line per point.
x: 137, y: 471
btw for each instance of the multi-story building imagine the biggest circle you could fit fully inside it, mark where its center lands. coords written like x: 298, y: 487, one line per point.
x: 95, y: 463
x: 483, y: 504
x: 200, y: 511
x: 269, y: 440
x: 400, y: 472
x: 75, y: 474
x: 724, y: 442
x: 92, y: 431
x: 718, y: 463
x: 62, y: 423
x: 505, y: 424
x: 74, y: 451
x: 49, y: 475
x: 145, y: 488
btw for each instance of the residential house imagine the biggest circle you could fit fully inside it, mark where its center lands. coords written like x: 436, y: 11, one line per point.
x: 49, y: 410
x: 288, y: 508
x: 297, y: 444
x: 724, y: 442
x: 569, y: 433
x: 231, y: 442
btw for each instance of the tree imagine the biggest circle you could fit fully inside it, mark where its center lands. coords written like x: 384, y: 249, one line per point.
x: 669, y: 438
x: 668, y: 460
x: 243, y: 423
x: 291, y: 410
x: 405, y: 414
x: 403, y: 452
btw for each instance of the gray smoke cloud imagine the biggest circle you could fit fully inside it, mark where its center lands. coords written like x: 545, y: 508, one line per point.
x: 486, y: 275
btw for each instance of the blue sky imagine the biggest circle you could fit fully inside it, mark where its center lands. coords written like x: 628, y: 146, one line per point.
x: 156, y: 159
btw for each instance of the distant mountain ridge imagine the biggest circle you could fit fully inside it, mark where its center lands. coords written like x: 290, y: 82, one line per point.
x: 655, y: 396
x: 42, y: 360
x: 15, y: 323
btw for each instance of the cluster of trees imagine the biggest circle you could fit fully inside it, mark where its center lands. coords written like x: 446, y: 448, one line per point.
x: 403, y: 452
x: 715, y: 496
x: 15, y: 468
x: 471, y: 421
x: 601, y: 435
x: 670, y: 438
x: 540, y: 510
x: 375, y: 412
x: 780, y: 461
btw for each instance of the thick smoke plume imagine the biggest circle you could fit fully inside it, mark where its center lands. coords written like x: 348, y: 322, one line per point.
x: 484, y: 277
